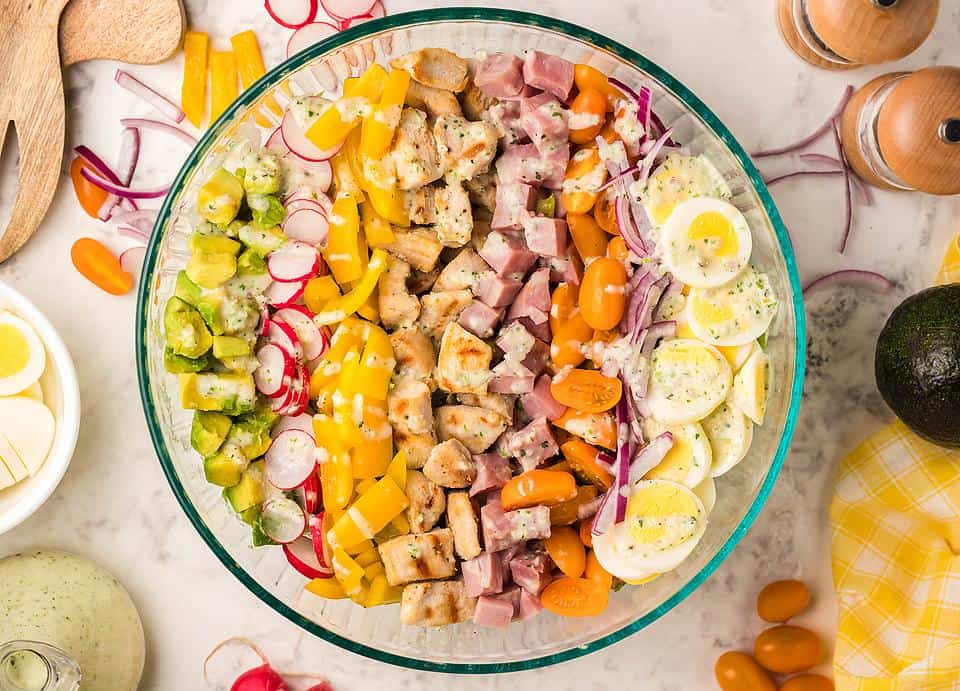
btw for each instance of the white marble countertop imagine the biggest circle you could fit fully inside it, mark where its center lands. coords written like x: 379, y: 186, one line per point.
x: 115, y: 507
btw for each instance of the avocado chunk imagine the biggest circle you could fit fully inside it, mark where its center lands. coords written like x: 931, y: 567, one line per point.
x: 251, y: 264
x: 249, y: 491
x: 211, y: 269
x: 261, y: 173
x: 251, y: 432
x: 206, y: 303
x: 219, y: 199
x: 208, y: 432
x: 178, y: 364
x: 225, y: 468
x: 257, y: 537
x: 252, y: 515
x: 213, y: 244
x: 917, y: 364
x: 262, y: 240
x: 186, y: 332
x: 244, y: 364
x: 266, y: 209
x: 231, y: 394
x: 230, y: 346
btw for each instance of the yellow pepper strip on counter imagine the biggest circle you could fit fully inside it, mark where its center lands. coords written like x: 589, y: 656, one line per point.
x: 332, y: 128
x: 376, y: 228
x: 251, y: 68
x: 193, y: 93
x: 339, y: 308
x: 223, y: 81
x: 368, y: 515
x: 343, y: 251
x: 380, y: 124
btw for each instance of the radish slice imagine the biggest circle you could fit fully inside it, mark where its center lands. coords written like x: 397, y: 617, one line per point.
x: 320, y: 525
x: 281, y: 294
x: 318, y: 174
x: 307, y: 35
x: 309, y: 334
x: 301, y: 557
x: 275, y: 367
x: 312, y: 493
x: 284, y: 398
x: 298, y: 143
x: 307, y: 225
x: 345, y: 9
x: 295, y: 262
x: 282, y: 520
x: 275, y: 142
x: 300, y: 402
x: 264, y: 321
x: 304, y: 423
x: 304, y: 203
x: 376, y: 13
x: 291, y: 14
x: 132, y: 259
x: 290, y: 459
x: 284, y: 336
x: 307, y: 195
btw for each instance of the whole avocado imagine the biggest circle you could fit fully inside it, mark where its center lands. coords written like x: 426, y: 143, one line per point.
x: 917, y: 363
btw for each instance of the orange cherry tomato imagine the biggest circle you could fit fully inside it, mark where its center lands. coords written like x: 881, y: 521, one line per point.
x: 598, y: 344
x: 538, y: 487
x: 588, y: 237
x: 595, y: 572
x: 562, y: 303
x: 617, y: 249
x: 566, y: 550
x: 740, y: 672
x: 590, y: 107
x: 587, y: 390
x: 605, y: 212
x: 587, y: 77
x: 782, y: 600
x: 583, y: 459
x: 567, y: 512
x: 786, y: 649
x: 574, y: 597
x: 602, y: 296
x: 586, y: 532
x: 98, y: 265
x: 585, y: 173
x: 807, y: 682
x: 90, y: 196
x: 569, y: 339
x: 593, y: 428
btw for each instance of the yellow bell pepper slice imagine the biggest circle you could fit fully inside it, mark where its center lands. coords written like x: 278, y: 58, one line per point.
x: 363, y: 485
x: 367, y: 557
x: 335, y: 124
x: 328, y: 588
x: 390, y: 204
x: 373, y: 570
x: 376, y: 229
x: 378, y: 127
x: 370, y: 310
x: 378, y: 364
x: 345, y: 182
x: 343, y: 251
x: 347, y: 571
x: 251, y: 68
x: 382, y: 593
x: 336, y: 480
x: 193, y: 93
x: 359, y: 547
x: 363, y: 593
x: 371, y: 457
x: 349, y: 335
x: 223, y: 81
x: 340, y: 308
x: 368, y: 515
x: 398, y: 469
x: 395, y: 528
x: 319, y: 291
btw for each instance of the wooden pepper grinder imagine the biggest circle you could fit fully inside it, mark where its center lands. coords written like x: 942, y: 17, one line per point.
x: 901, y: 131
x: 842, y: 34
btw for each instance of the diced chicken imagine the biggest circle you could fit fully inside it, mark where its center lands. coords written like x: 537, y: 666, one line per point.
x: 415, y: 356
x: 500, y: 75
x: 436, y: 102
x: 415, y: 151
x: 418, y: 557
x: 463, y: 365
x: 420, y: 206
x: 462, y: 520
x: 497, y: 291
x: 454, y: 215
x: 422, y: 281
x: 427, y: 502
x: 410, y: 413
x: 476, y: 428
x: 510, y: 377
x: 546, y: 236
x: 533, y: 444
x: 397, y: 306
x: 435, y: 604
x: 514, y: 202
x: 482, y: 189
x: 480, y: 319
x: 507, y: 254
x: 436, y: 67
x: 482, y: 574
x: 502, y: 530
x: 493, y: 472
x: 450, y: 465
x: 540, y: 402
x: 542, y: 117
x: 442, y: 308
x: 475, y: 103
x: 466, y: 148
x: 463, y: 272
x: 549, y: 73
x: 498, y: 403
x: 419, y: 247
x: 481, y: 228
x: 515, y: 341
x: 530, y: 570
x: 493, y: 612
x: 416, y: 447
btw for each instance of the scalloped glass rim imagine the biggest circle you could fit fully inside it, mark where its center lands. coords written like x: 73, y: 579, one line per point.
x: 599, y: 41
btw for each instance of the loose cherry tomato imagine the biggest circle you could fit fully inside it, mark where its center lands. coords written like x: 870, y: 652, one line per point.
x: 781, y: 600
x: 574, y: 597
x: 98, y: 265
x: 588, y: 115
x: 807, y: 682
x: 586, y: 532
x: 787, y: 649
x: 587, y: 77
x: 588, y: 237
x: 740, y: 672
x: 566, y: 550
x: 596, y: 573
x: 602, y: 296
x: 562, y: 303
x: 90, y: 196
x: 587, y: 390
x: 538, y: 487
x: 605, y: 212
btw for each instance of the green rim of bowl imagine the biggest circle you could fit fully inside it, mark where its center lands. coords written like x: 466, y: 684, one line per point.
x: 511, y: 17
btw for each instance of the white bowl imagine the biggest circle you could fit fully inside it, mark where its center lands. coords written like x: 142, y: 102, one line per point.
x: 61, y: 394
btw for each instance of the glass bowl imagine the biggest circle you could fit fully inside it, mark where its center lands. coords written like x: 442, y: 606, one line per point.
x: 376, y: 632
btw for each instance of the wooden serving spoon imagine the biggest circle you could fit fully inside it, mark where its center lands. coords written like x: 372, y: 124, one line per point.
x: 31, y: 84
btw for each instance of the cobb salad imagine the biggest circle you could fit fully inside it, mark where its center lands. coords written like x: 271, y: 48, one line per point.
x: 474, y: 336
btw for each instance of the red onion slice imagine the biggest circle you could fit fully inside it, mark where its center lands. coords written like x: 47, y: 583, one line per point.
x: 160, y: 126
x: 292, y: 14
x: 123, y: 190
x: 164, y: 105
x: 848, y: 198
x: 650, y: 456
x: 816, y: 134
x: 871, y: 279
x: 623, y: 462
x: 797, y: 173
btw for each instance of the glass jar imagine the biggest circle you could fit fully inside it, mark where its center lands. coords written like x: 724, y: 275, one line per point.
x: 35, y: 666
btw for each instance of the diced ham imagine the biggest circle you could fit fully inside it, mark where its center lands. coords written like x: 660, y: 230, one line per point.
x: 482, y: 575
x: 493, y: 472
x: 505, y: 529
x: 507, y: 254
x: 515, y: 342
x: 533, y: 300
x: 513, y: 204
x: 554, y: 157
x: 542, y: 117
x: 505, y: 116
x: 539, y: 327
x: 520, y: 163
x: 562, y: 270
x: 536, y: 360
x: 540, y: 402
x: 530, y: 570
x: 545, y: 235
x: 500, y: 75
x: 529, y: 606
x: 496, y: 291
x: 493, y: 612
x: 511, y: 377
x: 506, y: 556
x: 548, y: 72
x: 480, y: 319
x: 511, y: 595
x: 533, y: 444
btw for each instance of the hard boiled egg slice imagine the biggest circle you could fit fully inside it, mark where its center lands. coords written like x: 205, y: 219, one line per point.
x: 688, y: 461
x: 688, y: 379
x: 706, y: 242
x: 707, y: 491
x: 664, y: 522
x: 22, y: 357
x: 26, y: 434
x: 736, y: 355
x: 751, y: 385
x: 678, y: 179
x: 33, y: 391
x: 732, y: 314
x: 730, y: 433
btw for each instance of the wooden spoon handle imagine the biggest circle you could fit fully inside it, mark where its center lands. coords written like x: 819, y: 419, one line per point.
x: 133, y: 31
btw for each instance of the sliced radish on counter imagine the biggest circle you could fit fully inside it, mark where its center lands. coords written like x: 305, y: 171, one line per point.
x: 284, y: 336
x: 307, y: 35
x: 264, y: 677
x: 301, y: 557
x: 376, y: 13
x: 312, y: 492
x: 276, y: 367
x: 307, y: 225
x: 311, y: 338
x: 280, y: 294
x: 132, y: 259
x: 292, y: 14
x: 304, y: 423
x: 282, y: 520
x: 345, y: 9
x: 295, y: 262
x: 296, y: 140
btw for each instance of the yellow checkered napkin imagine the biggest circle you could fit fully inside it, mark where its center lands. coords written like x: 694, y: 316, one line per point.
x: 895, y: 518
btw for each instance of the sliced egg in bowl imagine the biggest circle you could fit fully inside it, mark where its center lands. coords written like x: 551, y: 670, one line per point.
x: 751, y: 386
x: 689, y: 459
x: 22, y: 356
x: 734, y: 313
x: 678, y: 179
x: 688, y: 380
x: 705, y: 242
x: 730, y: 433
